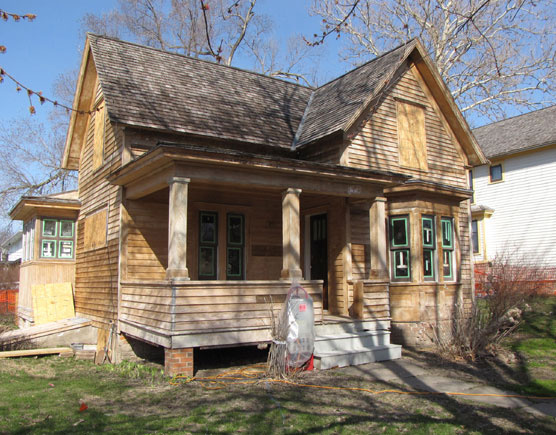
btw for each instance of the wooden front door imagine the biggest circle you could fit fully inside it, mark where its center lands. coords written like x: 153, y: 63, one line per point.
x: 319, y: 254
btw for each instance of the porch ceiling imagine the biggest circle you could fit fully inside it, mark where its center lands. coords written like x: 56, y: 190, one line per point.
x: 151, y: 173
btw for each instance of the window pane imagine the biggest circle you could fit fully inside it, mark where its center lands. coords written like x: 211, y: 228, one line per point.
x: 475, y: 236
x: 49, y: 228
x: 66, y: 229
x: 234, y: 266
x: 208, y: 228
x: 207, y: 262
x: 66, y: 249
x: 447, y: 264
x: 496, y: 173
x: 48, y: 249
x: 401, y: 264
x: 235, y: 229
x: 399, y: 232
x: 447, y: 233
x: 428, y: 232
x: 428, y: 263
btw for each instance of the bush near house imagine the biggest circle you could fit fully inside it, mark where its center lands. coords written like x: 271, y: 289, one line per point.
x: 504, y: 288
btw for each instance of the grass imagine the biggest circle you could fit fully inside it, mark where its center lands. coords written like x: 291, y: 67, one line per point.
x: 43, y: 395
x: 535, y: 346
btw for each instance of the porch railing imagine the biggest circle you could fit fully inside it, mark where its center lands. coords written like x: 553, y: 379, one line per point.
x: 191, y: 307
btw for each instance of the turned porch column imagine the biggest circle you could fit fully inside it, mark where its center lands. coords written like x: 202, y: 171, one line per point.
x: 291, y: 244
x: 379, y: 249
x: 177, y: 229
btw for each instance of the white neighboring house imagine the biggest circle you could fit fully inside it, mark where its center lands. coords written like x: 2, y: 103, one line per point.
x: 515, y: 196
x: 12, y: 249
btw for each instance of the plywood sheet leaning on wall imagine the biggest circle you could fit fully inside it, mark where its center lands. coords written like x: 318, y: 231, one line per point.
x: 52, y: 302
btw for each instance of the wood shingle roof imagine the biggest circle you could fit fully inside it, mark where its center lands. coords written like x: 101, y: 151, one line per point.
x: 335, y: 104
x: 520, y: 133
x: 150, y: 88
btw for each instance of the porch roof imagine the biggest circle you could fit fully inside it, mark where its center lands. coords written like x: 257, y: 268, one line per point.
x: 151, y: 172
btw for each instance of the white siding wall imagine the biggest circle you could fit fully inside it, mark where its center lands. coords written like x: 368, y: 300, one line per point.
x: 524, y: 206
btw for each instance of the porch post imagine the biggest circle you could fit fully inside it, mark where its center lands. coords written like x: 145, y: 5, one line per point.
x: 177, y: 229
x: 291, y: 245
x: 379, y: 252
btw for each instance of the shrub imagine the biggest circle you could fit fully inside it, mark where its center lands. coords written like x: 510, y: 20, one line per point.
x: 506, y: 285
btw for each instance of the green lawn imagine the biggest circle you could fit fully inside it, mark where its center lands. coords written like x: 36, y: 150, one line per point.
x: 44, y: 395
x: 535, y: 346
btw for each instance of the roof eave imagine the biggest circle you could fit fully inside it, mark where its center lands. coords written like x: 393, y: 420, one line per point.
x: 448, y: 105
x: 79, y: 113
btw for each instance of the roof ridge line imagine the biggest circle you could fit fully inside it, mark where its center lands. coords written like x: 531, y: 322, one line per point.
x: 366, y: 63
x: 136, y: 44
x: 516, y: 116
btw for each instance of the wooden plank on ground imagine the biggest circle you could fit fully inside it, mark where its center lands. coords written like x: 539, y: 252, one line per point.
x: 34, y: 352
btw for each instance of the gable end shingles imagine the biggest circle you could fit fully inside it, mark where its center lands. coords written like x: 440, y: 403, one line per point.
x: 150, y: 88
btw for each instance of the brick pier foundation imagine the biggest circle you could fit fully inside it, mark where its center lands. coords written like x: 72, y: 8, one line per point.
x: 178, y: 361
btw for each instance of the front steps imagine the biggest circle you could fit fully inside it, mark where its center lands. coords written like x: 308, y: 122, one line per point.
x: 340, y: 344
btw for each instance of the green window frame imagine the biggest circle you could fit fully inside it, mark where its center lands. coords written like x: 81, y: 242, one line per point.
x: 57, y: 239
x: 66, y: 225
x: 447, y: 228
x: 429, y: 245
x: 65, y: 249
x: 400, y: 248
x: 48, y: 248
x: 49, y: 228
x: 208, y: 245
x: 235, y: 249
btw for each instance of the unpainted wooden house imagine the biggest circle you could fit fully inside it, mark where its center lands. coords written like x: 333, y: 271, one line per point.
x: 205, y: 190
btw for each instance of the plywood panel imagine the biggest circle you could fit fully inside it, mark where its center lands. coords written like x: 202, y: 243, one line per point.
x: 95, y: 230
x: 52, y: 302
x: 411, y: 136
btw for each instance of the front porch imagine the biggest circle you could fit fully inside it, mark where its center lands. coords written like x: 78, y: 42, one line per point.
x: 204, y: 258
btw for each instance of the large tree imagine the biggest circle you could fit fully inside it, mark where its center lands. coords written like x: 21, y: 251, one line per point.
x: 217, y: 30
x: 496, y: 56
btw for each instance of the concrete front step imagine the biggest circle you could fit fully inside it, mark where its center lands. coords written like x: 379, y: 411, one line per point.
x: 356, y: 356
x: 347, y: 341
x: 351, y: 326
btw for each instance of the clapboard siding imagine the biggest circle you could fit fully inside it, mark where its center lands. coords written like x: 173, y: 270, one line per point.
x: 523, y: 204
x: 375, y: 146
x: 96, y: 270
x: 210, y: 305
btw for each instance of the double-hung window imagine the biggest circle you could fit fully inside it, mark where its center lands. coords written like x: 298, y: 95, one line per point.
x: 399, y: 248
x: 208, y: 245
x: 235, y: 246
x: 429, y: 244
x: 232, y: 240
x: 447, y: 226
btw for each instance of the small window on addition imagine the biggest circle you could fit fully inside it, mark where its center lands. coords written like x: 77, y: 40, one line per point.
x: 57, y: 239
x: 399, y: 248
x: 496, y: 173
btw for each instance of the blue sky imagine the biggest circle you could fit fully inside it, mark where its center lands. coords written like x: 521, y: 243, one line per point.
x: 38, y: 51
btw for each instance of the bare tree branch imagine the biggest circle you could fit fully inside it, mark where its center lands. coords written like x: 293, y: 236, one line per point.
x: 496, y: 56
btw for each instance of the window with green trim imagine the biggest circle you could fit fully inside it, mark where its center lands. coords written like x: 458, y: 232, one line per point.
x: 235, y: 246
x: 429, y: 245
x: 447, y: 227
x: 57, y: 239
x: 208, y: 245
x: 399, y: 248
